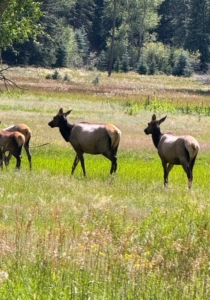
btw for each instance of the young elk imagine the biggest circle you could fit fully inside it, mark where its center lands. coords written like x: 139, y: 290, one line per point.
x: 12, y: 142
x: 26, y: 131
x: 173, y: 150
x: 88, y: 138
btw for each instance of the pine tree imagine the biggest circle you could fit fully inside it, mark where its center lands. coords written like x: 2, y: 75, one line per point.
x: 102, y: 61
x: 125, y: 64
x: 117, y: 65
x: 142, y: 67
x: 198, y: 37
x: 182, y: 66
x: 172, y: 28
x: 83, y: 43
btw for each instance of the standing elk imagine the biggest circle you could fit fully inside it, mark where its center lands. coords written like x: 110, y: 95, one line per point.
x: 12, y: 142
x: 88, y: 138
x: 26, y: 131
x: 173, y: 150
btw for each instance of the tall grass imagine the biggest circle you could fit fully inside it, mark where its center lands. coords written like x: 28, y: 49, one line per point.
x: 102, y: 237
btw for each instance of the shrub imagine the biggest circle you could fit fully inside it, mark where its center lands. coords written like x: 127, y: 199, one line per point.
x: 182, y: 66
x: 56, y: 75
x: 48, y: 76
x: 142, y: 67
x: 66, y: 78
x: 117, y: 65
x: 102, y: 61
x: 125, y: 65
x: 157, y: 57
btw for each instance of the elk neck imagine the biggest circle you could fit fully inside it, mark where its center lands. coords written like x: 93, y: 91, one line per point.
x: 65, y: 130
x: 156, y: 136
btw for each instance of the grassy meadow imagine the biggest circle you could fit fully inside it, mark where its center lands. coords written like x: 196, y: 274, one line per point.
x: 106, y: 237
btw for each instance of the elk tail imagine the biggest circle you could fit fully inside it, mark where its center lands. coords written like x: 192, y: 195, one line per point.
x: 115, y: 135
x: 20, y: 139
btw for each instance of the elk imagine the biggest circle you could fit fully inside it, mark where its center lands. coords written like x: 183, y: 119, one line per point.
x: 12, y: 142
x: 88, y: 138
x: 26, y: 131
x: 173, y: 150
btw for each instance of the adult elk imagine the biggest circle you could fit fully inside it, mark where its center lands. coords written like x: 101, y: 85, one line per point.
x: 173, y: 150
x: 12, y: 142
x: 26, y: 131
x: 88, y: 138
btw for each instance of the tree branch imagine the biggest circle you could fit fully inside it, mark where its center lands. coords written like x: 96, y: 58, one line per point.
x: 7, y: 82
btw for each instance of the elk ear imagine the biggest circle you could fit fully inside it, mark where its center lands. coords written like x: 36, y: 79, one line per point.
x: 60, y: 112
x: 162, y: 120
x: 68, y: 112
x: 154, y: 117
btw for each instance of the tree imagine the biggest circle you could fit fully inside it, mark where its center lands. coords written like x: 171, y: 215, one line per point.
x: 112, y: 38
x: 182, y: 66
x: 18, y: 21
x: 174, y: 15
x: 141, y: 18
x: 198, y: 37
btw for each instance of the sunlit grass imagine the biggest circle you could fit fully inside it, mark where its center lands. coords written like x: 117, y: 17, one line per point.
x: 120, y: 236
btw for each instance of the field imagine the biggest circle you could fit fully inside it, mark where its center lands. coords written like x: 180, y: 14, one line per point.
x: 121, y: 236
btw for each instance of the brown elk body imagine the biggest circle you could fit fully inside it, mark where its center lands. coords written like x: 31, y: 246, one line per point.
x: 26, y: 131
x: 89, y: 138
x: 173, y: 150
x: 12, y: 142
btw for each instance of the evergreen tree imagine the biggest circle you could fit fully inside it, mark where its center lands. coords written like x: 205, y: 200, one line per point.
x: 102, y: 61
x: 172, y: 28
x: 117, y: 65
x: 83, y: 43
x: 152, y: 66
x: 142, y: 67
x: 198, y: 37
x: 182, y: 66
x: 125, y: 62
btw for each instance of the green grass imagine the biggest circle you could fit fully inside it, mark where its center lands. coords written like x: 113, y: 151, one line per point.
x: 106, y: 237
x: 103, y: 237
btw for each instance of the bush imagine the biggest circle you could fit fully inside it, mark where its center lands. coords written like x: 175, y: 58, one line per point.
x: 125, y: 65
x: 102, y: 61
x: 157, y: 57
x: 182, y: 66
x: 142, y: 67
x: 48, y: 76
x: 153, y: 67
x: 117, y: 65
x: 56, y: 75
x: 66, y: 78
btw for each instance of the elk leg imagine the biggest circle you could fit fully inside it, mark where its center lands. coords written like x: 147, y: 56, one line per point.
x: 7, y: 159
x: 114, y: 165
x: 165, y: 169
x: 169, y: 167
x: 76, y: 160
x: 1, y: 159
x: 188, y: 171
x: 192, y: 162
x: 113, y: 160
x: 18, y: 161
x: 82, y: 161
x: 18, y: 157
x: 27, y: 149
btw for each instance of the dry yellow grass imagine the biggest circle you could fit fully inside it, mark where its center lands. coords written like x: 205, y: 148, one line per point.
x: 47, y: 96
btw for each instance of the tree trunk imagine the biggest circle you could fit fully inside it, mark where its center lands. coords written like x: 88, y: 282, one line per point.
x: 112, y: 41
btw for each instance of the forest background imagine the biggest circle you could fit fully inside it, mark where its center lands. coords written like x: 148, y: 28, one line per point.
x: 146, y: 36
